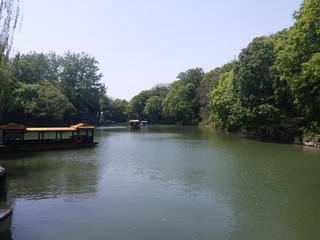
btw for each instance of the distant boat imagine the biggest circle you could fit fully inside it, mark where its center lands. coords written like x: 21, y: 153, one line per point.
x: 144, y: 123
x: 19, y: 138
x: 134, y: 124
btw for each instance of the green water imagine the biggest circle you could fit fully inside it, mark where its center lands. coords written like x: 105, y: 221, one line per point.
x: 165, y: 182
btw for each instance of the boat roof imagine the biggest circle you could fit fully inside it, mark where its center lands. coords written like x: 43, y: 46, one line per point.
x: 15, y: 126
x: 82, y: 126
x: 134, y: 121
x: 50, y: 129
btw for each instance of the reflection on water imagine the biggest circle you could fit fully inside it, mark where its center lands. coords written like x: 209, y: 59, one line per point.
x: 51, y: 174
x: 165, y: 182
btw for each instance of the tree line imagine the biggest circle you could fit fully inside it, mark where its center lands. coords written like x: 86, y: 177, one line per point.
x: 271, y: 90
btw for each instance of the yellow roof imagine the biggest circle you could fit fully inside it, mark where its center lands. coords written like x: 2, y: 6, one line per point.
x: 82, y: 126
x: 75, y: 127
x: 13, y: 126
x: 134, y: 121
x: 50, y: 129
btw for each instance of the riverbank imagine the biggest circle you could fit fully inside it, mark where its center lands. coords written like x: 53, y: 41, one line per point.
x: 301, y: 140
x: 311, y: 143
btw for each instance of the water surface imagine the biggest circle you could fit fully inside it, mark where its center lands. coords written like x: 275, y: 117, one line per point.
x: 165, y: 182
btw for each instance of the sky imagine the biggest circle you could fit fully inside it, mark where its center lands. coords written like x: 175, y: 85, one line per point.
x: 142, y: 43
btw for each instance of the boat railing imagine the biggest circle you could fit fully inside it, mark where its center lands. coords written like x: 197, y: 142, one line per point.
x: 75, y: 139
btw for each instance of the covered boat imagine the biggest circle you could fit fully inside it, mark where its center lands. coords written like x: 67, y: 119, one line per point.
x: 19, y: 138
x: 134, y: 124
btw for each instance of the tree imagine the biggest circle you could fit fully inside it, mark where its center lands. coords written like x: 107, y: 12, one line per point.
x: 160, y: 90
x: 181, y: 104
x: 51, y: 103
x: 209, y: 82
x: 80, y: 81
x: 153, y: 105
x: 6, y: 89
x: 114, y: 109
x: 254, y: 78
x: 298, y: 61
x: 309, y: 91
x: 9, y: 19
x: 32, y: 68
x: 137, y: 105
x: 193, y: 76
x: 223, y: 103
x: 153, y: 109
x: 41, y: 102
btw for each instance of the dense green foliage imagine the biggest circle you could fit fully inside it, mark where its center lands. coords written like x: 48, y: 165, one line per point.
x: 181, y: 105
x: 299, y: 62
x: 47, y: 88
x: 209, y: 81
x: 271, y: 91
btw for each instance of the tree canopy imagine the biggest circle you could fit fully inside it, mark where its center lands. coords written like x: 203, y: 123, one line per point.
x: 51, y: 88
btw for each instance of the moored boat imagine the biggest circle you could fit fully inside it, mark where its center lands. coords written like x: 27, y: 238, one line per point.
x: 144, y: 123
x: 5, y: 221
x: 3, y: 174
x: 134, y: 124
x: 19, y: 138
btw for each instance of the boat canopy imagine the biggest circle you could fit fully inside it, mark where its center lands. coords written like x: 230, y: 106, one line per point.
x: 15, y: 137
x: 13, y: 126
x: 134, y: 121
x: 76, y: 127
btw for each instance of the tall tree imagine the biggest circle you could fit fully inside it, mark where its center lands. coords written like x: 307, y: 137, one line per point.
x: 181, y: 104
x: 119, y: 110
x: 137, y: 105
x: 32, y: 68
x: 222, y: 102
x: 9, y: 19
x: 193, y: 76
x: 254, y: 78
x: 114, y: 109
x: 160, y: 90
x: 208, y: 83
x: 6, y: 89
x: 41, y: 103
x: 80, y: 81
x: 298, y: 61
x: 153, y: 109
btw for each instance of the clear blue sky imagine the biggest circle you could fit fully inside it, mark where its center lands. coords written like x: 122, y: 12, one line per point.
x: 142, y: 43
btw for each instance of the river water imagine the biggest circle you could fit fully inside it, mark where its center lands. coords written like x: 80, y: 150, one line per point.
x: 165, y: 182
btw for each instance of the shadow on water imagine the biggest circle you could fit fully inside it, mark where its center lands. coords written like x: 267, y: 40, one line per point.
x: 51, y: 173
x: 17, y: 155
x: 5, y: 231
